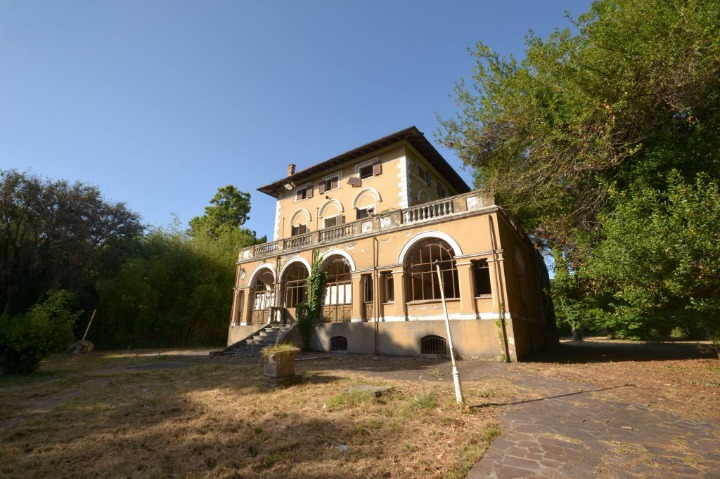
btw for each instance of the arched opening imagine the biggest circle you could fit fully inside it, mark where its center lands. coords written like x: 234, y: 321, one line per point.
x: 295, y: 285
x: 433, y: 345
x: 337, y: 300
x: 338, y: 343
x: 422, y: 279
x: 262, y: 297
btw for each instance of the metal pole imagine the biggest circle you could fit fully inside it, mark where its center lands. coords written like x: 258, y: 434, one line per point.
x: 88, y: 326
x: 456, y: 376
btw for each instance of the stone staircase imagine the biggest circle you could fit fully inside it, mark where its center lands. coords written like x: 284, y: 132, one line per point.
x: 254, y: 344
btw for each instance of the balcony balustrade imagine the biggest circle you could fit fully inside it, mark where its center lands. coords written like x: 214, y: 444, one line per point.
x: 386, y: 221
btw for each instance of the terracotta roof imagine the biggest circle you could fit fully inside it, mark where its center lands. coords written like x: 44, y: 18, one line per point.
x: 412, y: 135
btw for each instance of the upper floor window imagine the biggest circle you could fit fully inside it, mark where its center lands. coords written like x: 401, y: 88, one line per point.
x: 304, y: 192
x: 298, y: 230
x: 329, y: 183
x: 373, y: 168
x: 365, y: 212
x: 424, y: 175
x: 333, y: 221
x: 441, y: 191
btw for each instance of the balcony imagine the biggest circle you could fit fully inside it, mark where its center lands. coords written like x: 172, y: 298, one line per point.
x: 475, y: 202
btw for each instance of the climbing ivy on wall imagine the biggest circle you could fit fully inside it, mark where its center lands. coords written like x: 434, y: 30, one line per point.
x: 308, y: 314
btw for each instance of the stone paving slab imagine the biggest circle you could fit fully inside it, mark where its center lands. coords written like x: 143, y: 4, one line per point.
x: 577, y: 432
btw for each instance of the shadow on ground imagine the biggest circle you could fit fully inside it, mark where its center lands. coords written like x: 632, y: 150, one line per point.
x: 591, y: 351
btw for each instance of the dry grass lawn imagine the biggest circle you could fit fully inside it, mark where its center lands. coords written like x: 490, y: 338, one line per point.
x: 183, y: 416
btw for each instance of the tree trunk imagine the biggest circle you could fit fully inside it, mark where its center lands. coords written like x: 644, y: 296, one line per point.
x: 576, y: 334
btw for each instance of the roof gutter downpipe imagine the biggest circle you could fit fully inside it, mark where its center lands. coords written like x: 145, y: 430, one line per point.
x: 501, y: 291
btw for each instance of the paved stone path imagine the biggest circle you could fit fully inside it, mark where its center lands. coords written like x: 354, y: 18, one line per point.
x: 577, y: 432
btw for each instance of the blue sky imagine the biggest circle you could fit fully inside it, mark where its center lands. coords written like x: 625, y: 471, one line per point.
x: 160, y: 102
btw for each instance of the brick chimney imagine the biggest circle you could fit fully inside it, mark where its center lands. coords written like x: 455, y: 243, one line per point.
x: 291, y: 169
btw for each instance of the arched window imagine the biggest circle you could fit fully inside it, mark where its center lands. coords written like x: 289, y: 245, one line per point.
x: 337, y: 301
x: 422, y: 277
x: 263, y: 297
x: 295, y: 285
x: 433, y: 345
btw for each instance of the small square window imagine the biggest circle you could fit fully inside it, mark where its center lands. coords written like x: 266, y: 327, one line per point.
x: 298, y: 230
x: 328, y: 184
x: 304, y: 192
x: 330, y: 222
x: 365, y: 171
x: 365, y: 212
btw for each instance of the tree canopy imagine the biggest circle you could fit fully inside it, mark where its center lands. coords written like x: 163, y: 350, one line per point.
x: 54, y: 235
x: 615, y: 117
x: 633, y: 93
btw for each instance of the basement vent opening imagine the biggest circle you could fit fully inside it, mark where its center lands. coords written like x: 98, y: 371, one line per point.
x: 338, y: 343
x: 433, y: 345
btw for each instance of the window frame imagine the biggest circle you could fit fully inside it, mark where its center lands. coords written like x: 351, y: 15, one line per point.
x: 328, y: 180
x: 422, y: 283
x: 479, y: 265
x: 306, y: 190
x: 375, y: 168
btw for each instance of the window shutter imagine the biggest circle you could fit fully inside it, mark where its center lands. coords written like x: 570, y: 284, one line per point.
x: 298, y: 195
x: 321, y: 188
x: 334, y: 182
x: 309, y: 191
x: 341, y: 219
x: 377, y: 169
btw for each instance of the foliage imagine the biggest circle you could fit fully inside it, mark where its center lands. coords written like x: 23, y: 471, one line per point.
x: 634, y: 92
x: 229, y: 210
x: 308, y: 314
x: 26, y: 339
x: 54, y: 235
x: 589, y: 116
x: 172, y: 290
x: 660, y: 251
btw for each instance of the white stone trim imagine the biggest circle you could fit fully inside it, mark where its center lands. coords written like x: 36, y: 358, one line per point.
x: 340, y: 252
x: 295, y: 215
x: 257, y: 269
x: 296, y: 259
x: 276, y: 233
x: 402, y: 182
x: 327, y: 204
x: 392, y: 319
x: 429, y: 234
x: 362, y: 193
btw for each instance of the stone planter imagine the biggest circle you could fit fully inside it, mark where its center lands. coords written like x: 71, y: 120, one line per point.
x: 279, y: 365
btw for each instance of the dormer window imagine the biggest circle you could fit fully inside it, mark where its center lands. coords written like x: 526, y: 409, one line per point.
x: 329, y: 183
x: 304, y: 192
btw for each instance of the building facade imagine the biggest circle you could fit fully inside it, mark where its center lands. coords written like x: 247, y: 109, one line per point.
x: 383, y: 218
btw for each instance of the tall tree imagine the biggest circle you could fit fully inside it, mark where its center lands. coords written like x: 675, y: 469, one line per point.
x: 229, y: 209
x: 661, y: 253
x: 613, y: 106
x: 54, y: 235
x: 635, y: 92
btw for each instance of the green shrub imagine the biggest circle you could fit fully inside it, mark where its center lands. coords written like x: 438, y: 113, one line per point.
x: 28, y: 338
